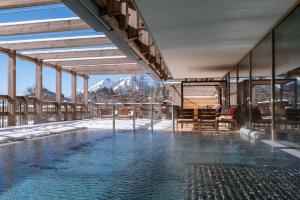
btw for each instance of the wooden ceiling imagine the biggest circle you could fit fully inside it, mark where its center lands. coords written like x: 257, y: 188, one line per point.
x: 124, y: 25
x: 73, y: 53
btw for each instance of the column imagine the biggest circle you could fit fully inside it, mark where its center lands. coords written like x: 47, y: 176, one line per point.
x: 12, y: 89
x: 86, y: 96
x: 250, y: 91
x: 73, y: 94
x: 38, y: 91
x: 273, y: 126
x: 58, y: 94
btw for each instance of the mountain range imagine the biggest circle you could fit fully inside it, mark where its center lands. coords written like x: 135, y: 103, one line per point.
x: 122, y: 85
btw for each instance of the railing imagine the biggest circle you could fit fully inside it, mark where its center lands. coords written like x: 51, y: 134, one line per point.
x: 26, y: 111
x: 3, y: 111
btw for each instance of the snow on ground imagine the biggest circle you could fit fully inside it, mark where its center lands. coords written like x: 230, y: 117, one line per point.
x: 18, y: 133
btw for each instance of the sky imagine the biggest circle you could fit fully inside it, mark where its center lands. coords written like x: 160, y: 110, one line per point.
x: 26, y: 69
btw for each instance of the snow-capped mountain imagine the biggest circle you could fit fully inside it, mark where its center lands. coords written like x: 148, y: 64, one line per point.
x: 125, y: 84
x: 122, y: 85
x: 105, y: 83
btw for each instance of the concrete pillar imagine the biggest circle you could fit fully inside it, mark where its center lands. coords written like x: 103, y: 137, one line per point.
x: 38, y: 90
x: 58, y: 94
x: 12, y: 89
x: 86, y: 97
x: 73, y: 94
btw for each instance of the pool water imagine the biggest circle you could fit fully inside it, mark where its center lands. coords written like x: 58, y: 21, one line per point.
x: 101, y: 165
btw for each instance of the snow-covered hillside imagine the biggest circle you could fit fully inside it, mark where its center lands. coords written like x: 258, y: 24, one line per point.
x: 122, y: 85
x: 105, y: 83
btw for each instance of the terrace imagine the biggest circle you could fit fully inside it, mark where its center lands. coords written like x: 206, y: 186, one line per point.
x: 227, y: 81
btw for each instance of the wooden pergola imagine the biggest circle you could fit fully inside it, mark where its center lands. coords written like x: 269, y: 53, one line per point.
x: 78, y: 55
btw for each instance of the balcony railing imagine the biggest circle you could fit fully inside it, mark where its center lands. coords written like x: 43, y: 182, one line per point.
x: 26, y: 111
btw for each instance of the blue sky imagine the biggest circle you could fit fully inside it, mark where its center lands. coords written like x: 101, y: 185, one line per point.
x: 25, y: 69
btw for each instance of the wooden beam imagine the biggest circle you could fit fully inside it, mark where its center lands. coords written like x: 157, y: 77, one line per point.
x: 86, y: 95
x: 86, y: 61
x: 74, y: 53
x: 116, y: 71
x: 5, y: 4
x: 42, y: 26
x: 73, y: 94
x: 12, y: 89
x: 111, y: 70
x: 95, y: 67
x: 62, y: 42
x: 108, y: 68
x: 58, y: 94
x: 38, y: 90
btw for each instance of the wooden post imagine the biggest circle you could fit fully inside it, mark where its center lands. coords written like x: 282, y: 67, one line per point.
x: 114, y: 117
x: 86, y: 97
x: 25, y: 107
x: 12, y: 89
x: 58, y: 94
x: 38, y: 90
x: 273, y: 97
x: 73, y: 94
x: 151, y: 117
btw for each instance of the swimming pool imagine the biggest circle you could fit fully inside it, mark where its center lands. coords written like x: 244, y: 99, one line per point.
x: 100, y: 165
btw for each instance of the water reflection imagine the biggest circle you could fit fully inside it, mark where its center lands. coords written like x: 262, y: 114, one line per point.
x: 141, y: 165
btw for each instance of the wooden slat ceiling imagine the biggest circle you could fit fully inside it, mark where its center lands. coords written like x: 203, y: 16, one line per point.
x: 86, y: 55
x: 62, y: 42
x: 75, y: 53
x: 42, y: 26
x: 5, y: 4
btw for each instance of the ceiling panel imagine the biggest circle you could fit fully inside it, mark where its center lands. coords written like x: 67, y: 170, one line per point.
x: 204, y: 38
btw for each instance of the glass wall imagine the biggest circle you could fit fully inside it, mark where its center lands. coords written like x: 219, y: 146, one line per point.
x: 243, y: 91
x: 287, y: 63
x: 233, y: 87
x: 261, y: 66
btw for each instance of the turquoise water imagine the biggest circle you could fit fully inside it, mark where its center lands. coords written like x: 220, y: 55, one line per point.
x: 100, y: 165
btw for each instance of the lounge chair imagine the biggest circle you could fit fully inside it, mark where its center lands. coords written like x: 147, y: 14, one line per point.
x: 123, y: 113
x: 106, y: 113
x: 185, y: 116
x: 229, y: 118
